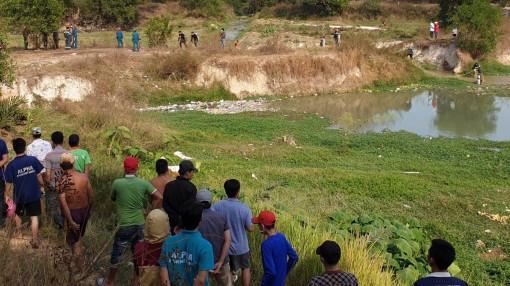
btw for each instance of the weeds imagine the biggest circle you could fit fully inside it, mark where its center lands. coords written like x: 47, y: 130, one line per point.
x: 11, y: 112
x: 176, y: 66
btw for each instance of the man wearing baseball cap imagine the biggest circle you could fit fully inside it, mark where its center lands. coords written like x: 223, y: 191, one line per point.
x: 178, y: 192
x: 330, y: 253
x: 128, y: 194
x: 39, y: 147
x: 275, y: 250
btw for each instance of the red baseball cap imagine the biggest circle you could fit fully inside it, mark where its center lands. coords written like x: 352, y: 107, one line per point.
x: 266, y: 218
x: 130, y: 165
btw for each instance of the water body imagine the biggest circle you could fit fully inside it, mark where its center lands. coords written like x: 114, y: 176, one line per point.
x: 233, y: 31
x: 429, y: 113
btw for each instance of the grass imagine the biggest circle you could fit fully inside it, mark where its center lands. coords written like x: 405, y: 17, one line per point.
x: 216, y: 92
x: 491, y: 66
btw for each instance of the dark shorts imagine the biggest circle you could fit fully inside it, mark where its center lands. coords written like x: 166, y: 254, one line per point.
x: 81, y: 217
x: 125, y: 237
x: 30, y: 209
x: 242, y: 261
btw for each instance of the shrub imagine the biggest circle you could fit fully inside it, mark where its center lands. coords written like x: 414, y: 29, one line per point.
x: 208, y: 7
x: 371, y: 9
x: 158, y: 31
x: 326, y: 7
x: 123, y: 12
x: 478, y: 22
x: 11, y: 112
x: 178, y: 66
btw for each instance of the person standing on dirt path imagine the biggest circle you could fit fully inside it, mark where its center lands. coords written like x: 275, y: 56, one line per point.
x: 436, y: 30
x: 239, y: 219
x: 82, y: 158
x: 75, y: 37
x: 336, y: 36
x: 68, y: 38
x: 275, y: 250
x: 120, y: 38
x: 45, y: 39
x: 56, y: 39
x: 178, y: 192
x: 431, y: 29
x: 23, y: 176
x: 4, y: 159
x: 182, y: 39
x: 160, y: 181
x: 194, y: 38
x: 330, y: 254
x: 53, y: 170
x: 76, y: 200
x: 223, y: 38
x: 136, y: 41
x: 128, y: 194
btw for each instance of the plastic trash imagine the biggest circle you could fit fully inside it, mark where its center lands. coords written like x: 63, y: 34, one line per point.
x: 182, y: 156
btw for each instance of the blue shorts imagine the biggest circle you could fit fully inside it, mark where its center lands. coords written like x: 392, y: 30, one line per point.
x: 223, y: 40
x: 125, y: 237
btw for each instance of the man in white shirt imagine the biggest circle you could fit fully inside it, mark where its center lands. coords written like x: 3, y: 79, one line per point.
x: 39, y: 147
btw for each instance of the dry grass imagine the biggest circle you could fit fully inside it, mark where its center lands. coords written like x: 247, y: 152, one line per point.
x: 182, y: 65
x: 504, y: 40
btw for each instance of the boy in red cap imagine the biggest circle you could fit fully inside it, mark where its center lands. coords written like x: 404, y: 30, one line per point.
x: 275, y: 250
x: 128, y: 194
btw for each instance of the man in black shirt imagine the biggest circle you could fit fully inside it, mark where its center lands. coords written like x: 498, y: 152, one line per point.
x: 178, y: 192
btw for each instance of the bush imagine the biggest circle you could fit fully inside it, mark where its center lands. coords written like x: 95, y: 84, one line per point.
x: 478, y: 23
x: 158, y: 31
x: 122, y: 12
x: 11, y: 112
x: 326, y: 7
x: 371, y: 9
x: 208, y: 7
x: 178, y: 66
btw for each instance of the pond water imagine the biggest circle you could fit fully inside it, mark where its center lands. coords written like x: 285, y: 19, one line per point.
x: 429, y: 113
x: 235, y: 29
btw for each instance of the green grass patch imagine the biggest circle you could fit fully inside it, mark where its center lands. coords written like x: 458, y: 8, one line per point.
x: 491, y: 67
x: 215, y: 92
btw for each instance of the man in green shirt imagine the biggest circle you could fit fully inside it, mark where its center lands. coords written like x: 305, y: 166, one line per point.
x: 81, y: 157
x: 128, y: 194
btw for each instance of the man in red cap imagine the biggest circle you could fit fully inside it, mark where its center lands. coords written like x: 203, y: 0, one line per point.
x: 128, y: 194
x: 120, y: 38
x: 275, y: 250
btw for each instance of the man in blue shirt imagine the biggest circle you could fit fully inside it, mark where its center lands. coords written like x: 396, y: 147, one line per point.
x: 136, y: 41
x: 239, y: 219
x: 75, y: 37
x: 120, y: 38
x: 23, y: 175
x: 4, y: 158
x: 275, y: 250
x: 441, y: 256
x: 186, y: 258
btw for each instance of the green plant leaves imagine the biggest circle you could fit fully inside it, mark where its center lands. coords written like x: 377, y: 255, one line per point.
x: 408, y: 275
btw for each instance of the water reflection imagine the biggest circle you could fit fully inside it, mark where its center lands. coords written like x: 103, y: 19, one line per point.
x: 430, y: 113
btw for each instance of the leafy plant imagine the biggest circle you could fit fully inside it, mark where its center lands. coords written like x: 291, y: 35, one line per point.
x: 116, y: 137
x: 269, y: 31
x: 371, y: 8
x: 402, y: 244
x: 11, y: 112
x: 326, y: 7
x: 158, y: 31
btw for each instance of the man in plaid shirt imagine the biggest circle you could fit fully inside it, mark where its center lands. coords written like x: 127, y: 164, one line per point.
x: 330, y: 253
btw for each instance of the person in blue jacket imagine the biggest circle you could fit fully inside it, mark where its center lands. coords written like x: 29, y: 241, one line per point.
x: 75, y: 37
x: 136, y: 41
x: 120, y: 38
x: 275, y: 250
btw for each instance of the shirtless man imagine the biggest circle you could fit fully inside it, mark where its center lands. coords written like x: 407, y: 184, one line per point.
x: 76, y: 200
x: 160, y: 182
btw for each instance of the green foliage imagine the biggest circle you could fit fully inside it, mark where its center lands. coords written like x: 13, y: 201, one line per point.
x: 326, y: 7
x: 11, y: 112
x: 204, y: 94
x: 208, y: 7
x: 448, y: 9
x: 7, y: 67
x: 371, y: 9
x: 33, y: 16
x: 270, y: 30
x: 403, y: 245
x: 158, y: 31
x: 120, y: 12
x: 491, y: 66
x: 118, y: 144
x: 478, y: 22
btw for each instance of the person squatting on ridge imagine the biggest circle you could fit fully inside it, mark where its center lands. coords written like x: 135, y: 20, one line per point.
x: 329, y: 253
x: 128, y: 194
x: 23, y: 176
x: 178, y: 192
x: 275, y: 250
x: 214, y: 227
x: 76, y: 201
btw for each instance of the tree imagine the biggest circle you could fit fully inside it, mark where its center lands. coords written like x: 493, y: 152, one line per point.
x: 208, y: 7
x: 448, y: 9
x: 478, y: 23
x: 120, y: 12
x: 158, y: 31
x: 6, y: 66
x: 326, y: 7
x: 32, y: 16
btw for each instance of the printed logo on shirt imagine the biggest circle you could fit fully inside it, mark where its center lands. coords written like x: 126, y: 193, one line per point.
x: 25, y: 171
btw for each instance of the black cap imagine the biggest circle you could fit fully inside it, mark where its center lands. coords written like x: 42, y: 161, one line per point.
x: 186, y: 166
x: 330, y: 251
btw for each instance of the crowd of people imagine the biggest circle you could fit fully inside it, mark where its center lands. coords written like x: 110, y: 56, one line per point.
x: 183, y: 239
